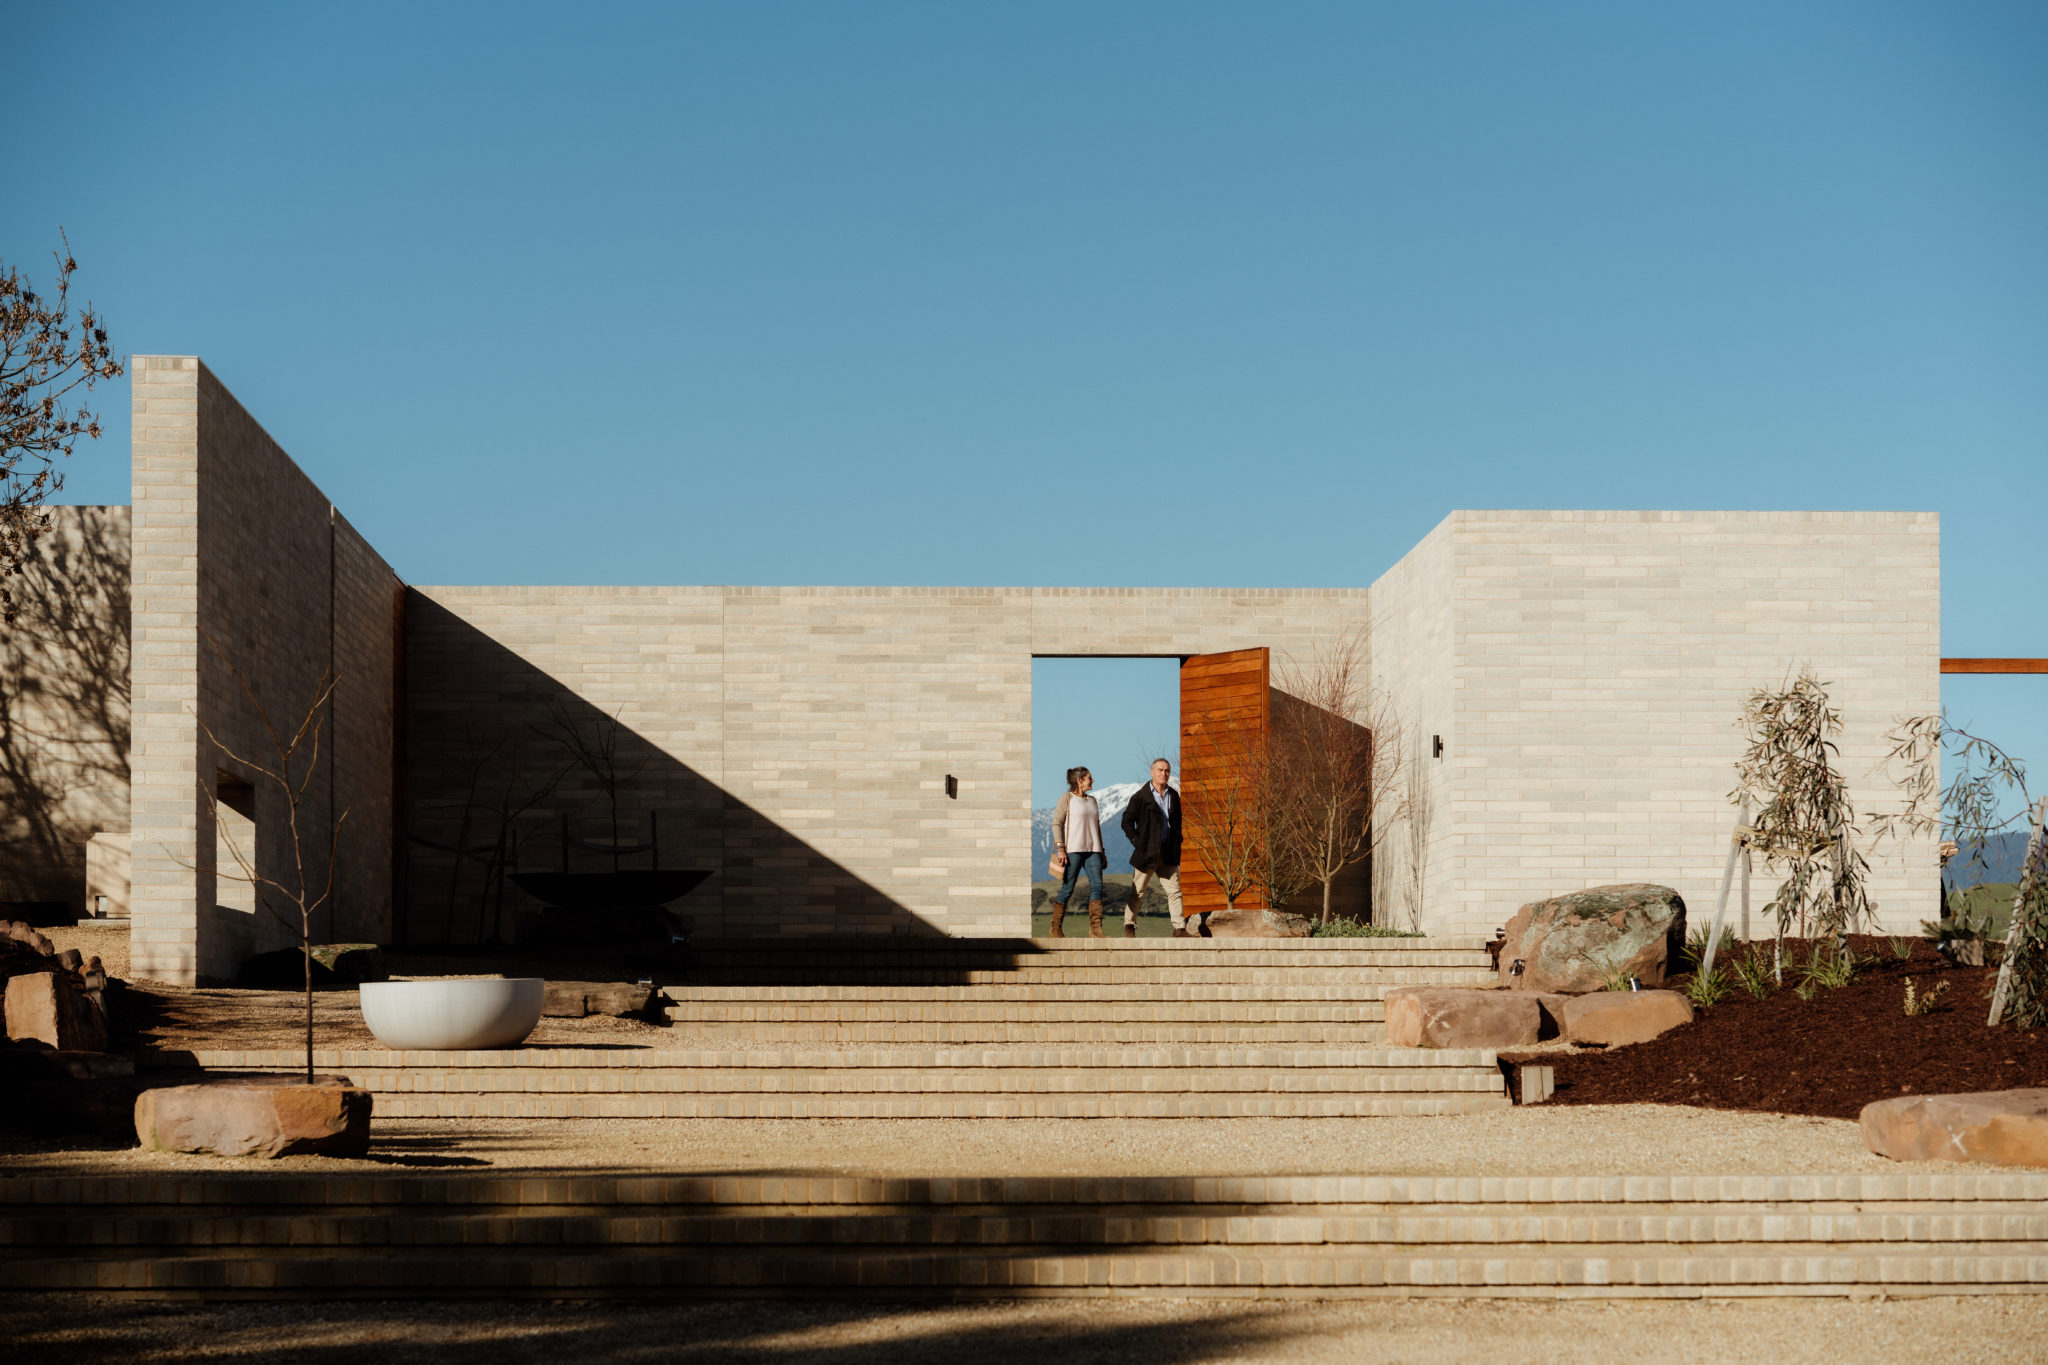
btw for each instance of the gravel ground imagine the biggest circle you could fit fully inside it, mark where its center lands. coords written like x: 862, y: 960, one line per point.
x: 95, y: 938
x: 1633, y: 1139
x: 86, y: 1328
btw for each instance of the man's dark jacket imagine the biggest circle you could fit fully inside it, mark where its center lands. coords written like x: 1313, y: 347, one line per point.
x: 1155, y: 838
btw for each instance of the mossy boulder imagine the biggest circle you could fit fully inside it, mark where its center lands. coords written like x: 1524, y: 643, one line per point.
x: 1579, y: 941
x: 334, y: 965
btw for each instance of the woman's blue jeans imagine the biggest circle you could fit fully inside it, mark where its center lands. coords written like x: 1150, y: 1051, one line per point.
x: 1079, y: 865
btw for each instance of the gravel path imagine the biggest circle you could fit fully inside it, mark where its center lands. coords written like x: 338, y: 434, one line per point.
x: 92, y: 1330
x: 1635, y: 1139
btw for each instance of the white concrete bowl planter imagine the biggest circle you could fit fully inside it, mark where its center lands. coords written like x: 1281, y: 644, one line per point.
x: 453, y: 1015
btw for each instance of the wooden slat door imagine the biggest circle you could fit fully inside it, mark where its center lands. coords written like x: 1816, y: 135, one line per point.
x: 1226, y: 712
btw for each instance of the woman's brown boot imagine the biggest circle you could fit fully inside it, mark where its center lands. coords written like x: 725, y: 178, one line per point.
x: 1095, y: 919
x: 1059, y: 912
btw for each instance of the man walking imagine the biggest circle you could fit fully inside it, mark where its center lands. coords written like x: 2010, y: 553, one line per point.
x: 1152, y: 823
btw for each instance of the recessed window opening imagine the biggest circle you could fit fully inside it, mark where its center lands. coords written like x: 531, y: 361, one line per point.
x: 234, y: 844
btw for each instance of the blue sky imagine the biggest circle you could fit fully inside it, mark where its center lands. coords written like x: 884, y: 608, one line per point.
x: 886, y: 293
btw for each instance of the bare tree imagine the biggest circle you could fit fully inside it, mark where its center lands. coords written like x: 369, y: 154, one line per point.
x: 1805, y: 821
x: 41, y: 363
x: 289, y: 768
x: 1336, y: 757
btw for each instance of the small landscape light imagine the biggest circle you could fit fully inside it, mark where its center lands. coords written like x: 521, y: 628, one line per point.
x: 1516, y: 969
x: 952, y: 786
x: 1436, y: 746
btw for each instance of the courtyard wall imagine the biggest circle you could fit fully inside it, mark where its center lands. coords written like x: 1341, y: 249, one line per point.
x: 1583, y: 671
x: 795, y: 741
x: 1596, y: 665
x: 241, y: 563
x: 64, y: 706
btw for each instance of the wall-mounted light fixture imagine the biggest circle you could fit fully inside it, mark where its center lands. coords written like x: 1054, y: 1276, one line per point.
x: 1436, y: 746
x: 952, y: 786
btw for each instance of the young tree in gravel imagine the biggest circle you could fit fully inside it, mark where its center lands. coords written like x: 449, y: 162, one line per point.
x: 288, y: 768
x: 1337, y: 755
x: 1805, y: 822
x: 44, y: 355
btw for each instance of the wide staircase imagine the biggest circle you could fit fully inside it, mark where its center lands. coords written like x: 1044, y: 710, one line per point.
x: 392, y: 1236
x: 980, y: 1028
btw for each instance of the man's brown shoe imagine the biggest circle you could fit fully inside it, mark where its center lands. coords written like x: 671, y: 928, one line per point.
x: 1130, y: 931
x: 1181, y: 933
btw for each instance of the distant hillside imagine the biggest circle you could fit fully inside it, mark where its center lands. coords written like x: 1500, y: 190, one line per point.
x: 1112, y: 799
x: 1999, y: 861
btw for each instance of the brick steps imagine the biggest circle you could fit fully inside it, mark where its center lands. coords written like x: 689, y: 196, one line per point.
x: 1318, y: 990
x: 654, y: 1235
x: 893, y: 1027
x: 1008, y: 1012
x: 758, y: 1031
x: 899, y: 1082
x: 1113, y: 976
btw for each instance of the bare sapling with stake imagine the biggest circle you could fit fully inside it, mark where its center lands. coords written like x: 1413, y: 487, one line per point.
x: 1336, y: 760
x: 1791, y: 773
x: 1984, y: 780
x: 2021, y: 995
x: 288, y: 768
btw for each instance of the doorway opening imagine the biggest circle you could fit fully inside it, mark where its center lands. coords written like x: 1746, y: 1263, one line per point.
x: 1113, y: 716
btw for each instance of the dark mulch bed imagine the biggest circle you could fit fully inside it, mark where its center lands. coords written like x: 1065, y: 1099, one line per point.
x: 1828, y: 1056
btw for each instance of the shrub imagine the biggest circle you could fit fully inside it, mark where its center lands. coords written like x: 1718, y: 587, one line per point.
x: 1696, y: 946
x: 1706, y: 988
x: 1752, y: 972
x: 1351, y: 928
x: 1833, y: 969
x: 1916, y: 1004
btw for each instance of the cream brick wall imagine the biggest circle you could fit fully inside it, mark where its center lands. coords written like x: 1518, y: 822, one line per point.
x: 233, y: 544
x: 1412, y: 669
x: 1600, y: 661
x: 64, y: 711
x: 802, y: 735
x: 1582, y: 669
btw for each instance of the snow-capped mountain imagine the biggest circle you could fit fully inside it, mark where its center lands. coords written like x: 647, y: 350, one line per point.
x: 1112, y: 799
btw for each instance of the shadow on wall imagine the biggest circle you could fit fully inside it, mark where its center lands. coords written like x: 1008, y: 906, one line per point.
x: 1350, y: 890
x: 499, y: 754
x: 64, y: 706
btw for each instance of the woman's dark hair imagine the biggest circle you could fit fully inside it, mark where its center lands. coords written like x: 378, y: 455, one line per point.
x: 1074, y: 776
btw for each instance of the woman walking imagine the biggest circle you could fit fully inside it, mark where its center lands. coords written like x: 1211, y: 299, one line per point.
x: 1077, y: 844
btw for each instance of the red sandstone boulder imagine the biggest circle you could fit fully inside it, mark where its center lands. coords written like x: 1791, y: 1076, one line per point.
x: 267, y: 1118
x: 49, y: 1008
x: 1620, y: 1017
x: 1258, y: 924
x: 2000, y: 1127
x: 1437, y: 1016
x: 1576, y: 942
